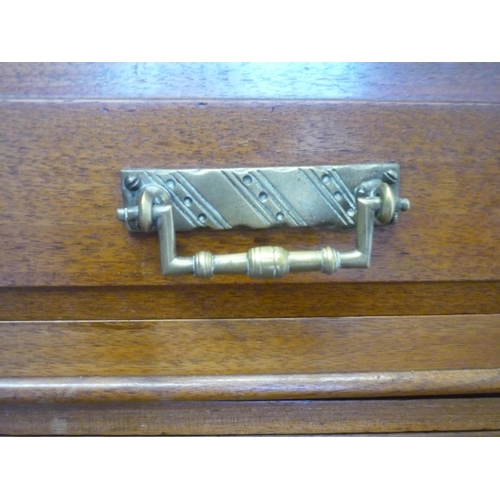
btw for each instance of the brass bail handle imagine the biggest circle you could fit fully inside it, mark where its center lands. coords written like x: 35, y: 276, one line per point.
x: 154, y: 211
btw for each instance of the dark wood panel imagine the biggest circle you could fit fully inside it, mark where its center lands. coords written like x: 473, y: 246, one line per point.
x: 252, y: 300
x: 377, y: 81
x: 233, y: 418
x: 50, y: 390
x: 61, y: 184
x: 244, y: 347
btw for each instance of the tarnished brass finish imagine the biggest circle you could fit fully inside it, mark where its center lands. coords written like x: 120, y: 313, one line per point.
x: 373, y: 200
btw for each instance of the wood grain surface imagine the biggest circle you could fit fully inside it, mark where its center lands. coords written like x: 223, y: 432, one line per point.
x: 49, y: 390
x: 422, y: 321
x: 61, y: 184
x: 252, y: 300
x: 374, y: 81
x: 264, y: 417
x: 244, y: 347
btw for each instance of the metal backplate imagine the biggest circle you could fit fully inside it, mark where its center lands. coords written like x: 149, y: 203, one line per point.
x: 261, y: 197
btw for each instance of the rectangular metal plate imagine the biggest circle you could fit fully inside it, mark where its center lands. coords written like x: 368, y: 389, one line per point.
x: 261, y: 197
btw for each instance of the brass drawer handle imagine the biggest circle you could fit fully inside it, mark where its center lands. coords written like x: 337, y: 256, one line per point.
x: 346, y: 196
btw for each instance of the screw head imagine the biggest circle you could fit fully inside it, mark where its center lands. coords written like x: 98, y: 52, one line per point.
x: 391, y: 177
x: 132, y: 182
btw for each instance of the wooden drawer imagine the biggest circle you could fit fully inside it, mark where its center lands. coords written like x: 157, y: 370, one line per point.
x: 87, y: 318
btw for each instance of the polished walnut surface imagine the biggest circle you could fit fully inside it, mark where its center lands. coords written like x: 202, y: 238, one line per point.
x: 428, y: 305
x: 65, y: 158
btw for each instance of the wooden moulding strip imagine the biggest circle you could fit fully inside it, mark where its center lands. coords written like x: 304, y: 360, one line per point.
x: 340, y: 416
x: 472, y: 82
x: 253, y: 387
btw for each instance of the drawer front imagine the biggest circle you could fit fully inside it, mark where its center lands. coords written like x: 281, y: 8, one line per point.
x: 62, y: 185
